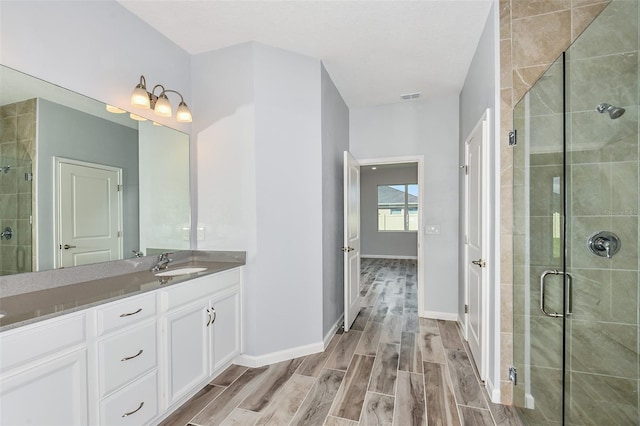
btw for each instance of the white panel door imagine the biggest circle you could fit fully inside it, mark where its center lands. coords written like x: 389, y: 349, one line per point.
x: 475, y: 257
x: 89, y: 213
x: 351, y: 249
x: 188, y: 349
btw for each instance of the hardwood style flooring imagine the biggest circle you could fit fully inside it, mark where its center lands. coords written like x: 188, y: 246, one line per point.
x: 391, y: 368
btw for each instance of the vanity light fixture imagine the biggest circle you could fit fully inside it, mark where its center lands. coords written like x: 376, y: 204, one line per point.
x: 159, y: 103
x: 136, y: 117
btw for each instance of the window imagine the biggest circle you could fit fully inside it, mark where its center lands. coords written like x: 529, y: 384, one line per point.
x: 398, y: 207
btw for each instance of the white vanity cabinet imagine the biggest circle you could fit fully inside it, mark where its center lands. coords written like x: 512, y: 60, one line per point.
x: 202, y: 328
x: 43, y: 373
x: 128, y: 362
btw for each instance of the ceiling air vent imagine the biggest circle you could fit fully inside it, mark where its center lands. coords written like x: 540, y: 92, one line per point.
x: 410, y: 96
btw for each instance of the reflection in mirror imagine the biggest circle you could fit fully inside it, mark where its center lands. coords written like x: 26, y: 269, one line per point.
x: 80, y: 184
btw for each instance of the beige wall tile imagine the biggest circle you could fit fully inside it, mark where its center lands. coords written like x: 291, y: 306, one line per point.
x: 527, y: 8
x: 505, y: 19
x: 506, y: 308
x: 524, y: 78
x: 581, y: 17
x: 505, y: 63
x: 540, y: 39
x: 506, y: 354
x: 506, y: 392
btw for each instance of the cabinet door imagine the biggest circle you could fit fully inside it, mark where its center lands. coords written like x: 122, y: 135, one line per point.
x: 52, y: 393
x: 188, y: 349
x: 226, y: 327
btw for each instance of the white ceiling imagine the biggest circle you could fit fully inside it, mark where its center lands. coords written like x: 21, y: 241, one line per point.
x: 374, y: 51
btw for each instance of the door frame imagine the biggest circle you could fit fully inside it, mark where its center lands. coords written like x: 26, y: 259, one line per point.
x: 57, y: 161
x: 419, y: 159
x: 485, y: 122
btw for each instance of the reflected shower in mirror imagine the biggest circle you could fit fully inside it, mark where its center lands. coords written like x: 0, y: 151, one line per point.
x: 82, y: 183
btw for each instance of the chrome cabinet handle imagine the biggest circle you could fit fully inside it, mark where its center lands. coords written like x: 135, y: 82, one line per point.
x: 215, y: 314
x: 132, y: 357
x: 209, y: 321
x: 67, y: 247
x: 134, y: 411
x: 347, y: 249
x: 569, y: 289
x: 131, y: 313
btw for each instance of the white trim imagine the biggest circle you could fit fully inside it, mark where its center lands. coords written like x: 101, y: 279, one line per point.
x: 496, y: 147
x: 419, y: 159
x: 385, y: 256
x: 494, y: 393
x: 253, y: 361
x: 332, y: 331
x: 447, y: 316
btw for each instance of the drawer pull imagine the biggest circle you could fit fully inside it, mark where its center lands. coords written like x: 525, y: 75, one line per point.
x: 134, y: 411
x: 132, y: 357
x: 215, y: 314
x: 131, y: 313
x: 209, y: 320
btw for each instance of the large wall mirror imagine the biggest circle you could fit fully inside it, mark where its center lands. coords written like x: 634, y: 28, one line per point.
x: 82, y: 182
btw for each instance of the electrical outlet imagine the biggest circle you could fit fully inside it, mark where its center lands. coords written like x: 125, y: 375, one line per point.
x: 200, y: 236
x: 432, y: 229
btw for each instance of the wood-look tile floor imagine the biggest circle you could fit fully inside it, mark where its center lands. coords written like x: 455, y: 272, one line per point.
x: 391, y: 368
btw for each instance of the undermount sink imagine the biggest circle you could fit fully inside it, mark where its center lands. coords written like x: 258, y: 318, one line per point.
x: 180, y: 271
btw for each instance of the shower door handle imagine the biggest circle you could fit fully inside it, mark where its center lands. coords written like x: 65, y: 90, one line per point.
x: 569, y: 288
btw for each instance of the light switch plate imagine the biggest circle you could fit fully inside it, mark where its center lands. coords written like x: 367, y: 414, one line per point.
x: 200, y: 236
x: 432, y: 229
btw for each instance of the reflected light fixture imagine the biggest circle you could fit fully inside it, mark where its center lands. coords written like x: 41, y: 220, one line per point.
x: 114, y: 110
x: 136, y: 117
x: 159, y: 103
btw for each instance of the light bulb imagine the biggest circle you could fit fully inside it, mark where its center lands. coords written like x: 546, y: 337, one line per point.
x: 140, y: 97
x: 183, y: 114
x: 163, y: 107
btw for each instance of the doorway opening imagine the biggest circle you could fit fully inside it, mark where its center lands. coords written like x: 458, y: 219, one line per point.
x: 391, y: 211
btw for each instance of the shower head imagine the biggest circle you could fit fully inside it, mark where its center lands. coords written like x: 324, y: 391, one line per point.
x: 614, y: 111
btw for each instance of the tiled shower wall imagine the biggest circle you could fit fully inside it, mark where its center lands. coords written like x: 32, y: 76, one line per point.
x: 17, y: 150
x: 533, y: 33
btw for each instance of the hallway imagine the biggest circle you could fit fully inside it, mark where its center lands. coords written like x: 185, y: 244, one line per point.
x: 390, y: 368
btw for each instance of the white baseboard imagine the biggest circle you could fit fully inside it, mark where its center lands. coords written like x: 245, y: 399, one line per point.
x: 447, y: 316
x: 387, y: 256
x: 332, y: 331
x: 494, y: 393
x: 273, y: 357
x: 286, y: 354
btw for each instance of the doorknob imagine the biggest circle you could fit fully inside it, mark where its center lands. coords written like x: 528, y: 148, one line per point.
x: 481, y: 263
x: 347, y: 249
x: 67, y: 247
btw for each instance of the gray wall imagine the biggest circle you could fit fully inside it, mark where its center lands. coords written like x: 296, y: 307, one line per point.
x: 335, y: 140
x: 478, y: 94
x: 68, y: 133
x: 375, y: 243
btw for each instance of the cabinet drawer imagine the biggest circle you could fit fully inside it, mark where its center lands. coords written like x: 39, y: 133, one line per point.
x: 200, y: 288
x: 126, y: 356
x: 137, y: 404
x: 125, y: 312
x: 28, y: 343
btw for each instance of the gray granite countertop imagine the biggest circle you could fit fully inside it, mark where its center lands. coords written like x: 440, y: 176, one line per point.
x: 52, y: 293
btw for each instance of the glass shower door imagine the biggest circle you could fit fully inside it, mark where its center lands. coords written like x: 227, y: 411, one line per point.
x: 538, y: 203
x: 601, y: 358
x: 576, y: 233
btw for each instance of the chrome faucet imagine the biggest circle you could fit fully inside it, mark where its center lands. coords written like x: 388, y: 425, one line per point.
x: 162, y: 263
